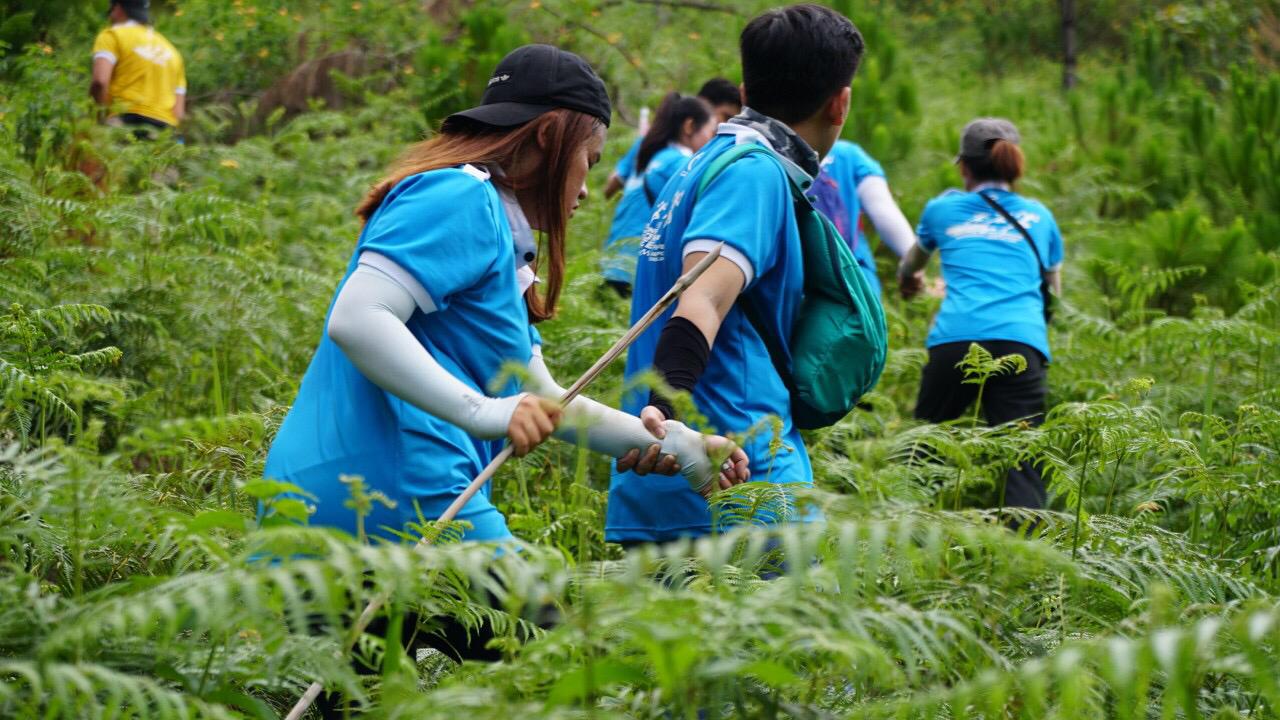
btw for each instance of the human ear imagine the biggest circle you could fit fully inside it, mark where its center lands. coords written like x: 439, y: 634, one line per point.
x: 838, y: 107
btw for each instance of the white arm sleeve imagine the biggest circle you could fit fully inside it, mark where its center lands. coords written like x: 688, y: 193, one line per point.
x: 615, y: 433
x: 368, y: 324
x: 892, y: 226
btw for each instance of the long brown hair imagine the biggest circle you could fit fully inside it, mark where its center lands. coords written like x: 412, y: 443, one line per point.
x: 557, y: 134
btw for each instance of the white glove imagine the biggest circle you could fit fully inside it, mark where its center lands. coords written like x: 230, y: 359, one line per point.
x: 690, y: 449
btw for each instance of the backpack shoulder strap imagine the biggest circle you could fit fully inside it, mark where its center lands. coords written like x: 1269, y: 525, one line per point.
x: 777, y: 356
x: 1014, y: 222
x: 724, y: 160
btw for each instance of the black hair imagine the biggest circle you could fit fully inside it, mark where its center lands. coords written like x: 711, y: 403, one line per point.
x: 795, y: 58
x: 719, y: 91
x: 137, y: 10
x: 672, y: 113
x: 1004, y: 162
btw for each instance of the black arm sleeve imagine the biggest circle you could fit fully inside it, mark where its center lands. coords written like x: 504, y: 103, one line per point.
x: 680, y: 358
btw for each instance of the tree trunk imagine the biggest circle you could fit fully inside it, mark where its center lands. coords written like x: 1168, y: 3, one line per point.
x: 1068, y: 44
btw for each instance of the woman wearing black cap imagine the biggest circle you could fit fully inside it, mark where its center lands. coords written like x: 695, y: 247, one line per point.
x: 407, y: 388
x: 1001, y: 255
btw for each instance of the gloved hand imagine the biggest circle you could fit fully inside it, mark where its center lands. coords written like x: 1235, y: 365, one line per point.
x: 693, y: 454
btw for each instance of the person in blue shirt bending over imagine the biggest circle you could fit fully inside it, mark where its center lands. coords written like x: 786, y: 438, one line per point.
x: 797, y: 64
x: 725, y: 100
x: 1001, y: 255
x: 858, y: 186
x: 406, y: 387
x: 682, y: 125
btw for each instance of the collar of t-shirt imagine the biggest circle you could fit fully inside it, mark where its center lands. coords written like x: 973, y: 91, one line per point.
x: 126, y: 23
x: 526, y: 245
x: 991, y: 185
x: 780, y: 138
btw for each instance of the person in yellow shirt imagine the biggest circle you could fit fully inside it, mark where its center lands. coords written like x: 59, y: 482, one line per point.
x: 136, y: 67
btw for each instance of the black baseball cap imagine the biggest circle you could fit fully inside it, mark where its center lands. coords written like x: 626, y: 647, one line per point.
x: 534, y: 79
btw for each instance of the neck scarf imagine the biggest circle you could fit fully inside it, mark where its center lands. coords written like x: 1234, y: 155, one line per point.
x: 784, y: 140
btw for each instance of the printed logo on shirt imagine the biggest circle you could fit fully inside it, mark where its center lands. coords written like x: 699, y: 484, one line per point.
x: 156, y: 54
x: 991, y: 226
x: 651, y: 243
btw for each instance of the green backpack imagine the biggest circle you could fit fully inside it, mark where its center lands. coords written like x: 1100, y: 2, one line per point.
x: 839, y: 340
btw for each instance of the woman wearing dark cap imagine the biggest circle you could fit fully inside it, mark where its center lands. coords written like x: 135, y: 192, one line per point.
x: 1001, y: 252
x: 406, y: 388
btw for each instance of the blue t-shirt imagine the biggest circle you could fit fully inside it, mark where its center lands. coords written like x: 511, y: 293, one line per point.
x: 626, y: 167
x: 848, y: 165
x: 448, y: 230
x: 632, y: 214
x: 993, y: 282
x: 749, y: 207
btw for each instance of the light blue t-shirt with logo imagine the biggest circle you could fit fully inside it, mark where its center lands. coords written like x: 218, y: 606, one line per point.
x: 992, y: 279
x: 448, y: 230
x: 749, y: 207
x: 632, y: 213
x: 848, y: 164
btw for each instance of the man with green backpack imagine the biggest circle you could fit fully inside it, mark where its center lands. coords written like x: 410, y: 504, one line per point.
x: 782, y: 332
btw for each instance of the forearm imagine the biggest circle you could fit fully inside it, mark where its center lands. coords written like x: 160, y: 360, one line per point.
x: 595, y: 425
x: 612, y: 185
x: 180, y: 106
x: 1055, y: 280
x: 614, y: 433
x: 684, y: 346
x: 368, y: 324
x: 892, y: 226
x: 914, y: 261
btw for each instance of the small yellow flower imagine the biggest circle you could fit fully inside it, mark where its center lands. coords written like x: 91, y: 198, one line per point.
x: 178, y: 12
x: 613, y: 38
x: 535, y: 4
x: 218, y: 36
x: 407, y: 69
x: 251, y: 10
x: 229, y: 163
x: 695, y: 36
x: 46, y: 49
x: 356, y: 6
x: 263, y: 53
x: 283, y: 12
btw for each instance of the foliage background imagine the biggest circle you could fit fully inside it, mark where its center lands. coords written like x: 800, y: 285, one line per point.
x: 160, y: 302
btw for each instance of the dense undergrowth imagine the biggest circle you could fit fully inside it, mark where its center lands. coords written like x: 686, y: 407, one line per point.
x: 160, y: 301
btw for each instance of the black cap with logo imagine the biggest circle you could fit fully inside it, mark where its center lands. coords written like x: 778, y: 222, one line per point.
x: 532, y: 80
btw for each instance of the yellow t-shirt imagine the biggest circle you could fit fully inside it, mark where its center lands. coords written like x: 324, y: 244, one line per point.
x: 148, y: 74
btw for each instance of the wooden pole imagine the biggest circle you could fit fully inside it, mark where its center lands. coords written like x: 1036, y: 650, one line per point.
x: 619, y: 347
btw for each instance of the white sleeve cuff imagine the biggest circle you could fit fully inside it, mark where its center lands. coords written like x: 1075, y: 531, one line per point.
x: 728, y: 252
x: 401, y: 277
x: 105, y: 55
x: 180, y: 91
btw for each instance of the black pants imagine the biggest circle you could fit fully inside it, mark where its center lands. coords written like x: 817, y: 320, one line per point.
x: 143, y: 127
x: 944, y: 396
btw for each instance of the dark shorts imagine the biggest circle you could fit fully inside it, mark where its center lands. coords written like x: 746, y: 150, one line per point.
x: 143, y: 127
